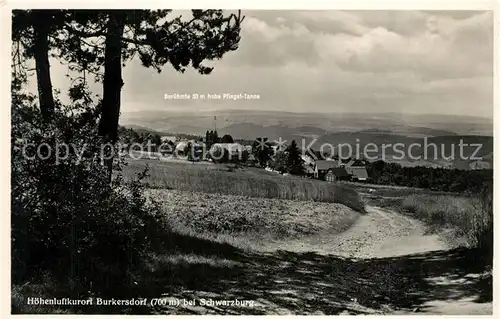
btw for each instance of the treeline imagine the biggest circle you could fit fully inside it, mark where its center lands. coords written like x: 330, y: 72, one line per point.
x: 438, y: 179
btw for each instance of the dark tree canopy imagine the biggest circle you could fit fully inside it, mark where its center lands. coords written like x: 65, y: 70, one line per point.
x: 90, y: 40
x: 262, y: 150
x: 100, y: 42
x: 295, y: 164
x: 227, y: 139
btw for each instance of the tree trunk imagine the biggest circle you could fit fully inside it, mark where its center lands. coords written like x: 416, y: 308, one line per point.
x: 41, y: 48
x: 112, y: 83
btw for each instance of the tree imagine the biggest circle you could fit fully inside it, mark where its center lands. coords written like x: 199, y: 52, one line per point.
x: 279, y: 163
x: 38, y: 34
x: 262, y: 150
x: 189, y: 150
x: 157, y: 141
x: 208, y: 139
x: 227, y: 139
x: 91, y: 40
x: 295, y: 163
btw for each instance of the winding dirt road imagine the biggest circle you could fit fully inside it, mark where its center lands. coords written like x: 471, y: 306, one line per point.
x: 382, y: 233
x: 386, y: 263
x: 379, y: 233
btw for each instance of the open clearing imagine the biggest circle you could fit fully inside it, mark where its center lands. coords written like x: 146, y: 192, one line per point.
x: 385, y: 263
x: 296, y: 256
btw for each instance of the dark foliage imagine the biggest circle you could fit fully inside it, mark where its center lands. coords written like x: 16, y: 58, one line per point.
x: 262, y: 150
x: 439, y: 179
x: 295, y: 163
x: 67, y: 220
x: 227, y: 139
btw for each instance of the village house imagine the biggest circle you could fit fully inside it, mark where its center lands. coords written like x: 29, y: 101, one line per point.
x: 357, y: 173
x: 337, y: 174
x: 234, y: 151
x: 331, y: 171
x: 166, y: 139
x: 321, y: 167
x: 357, y: 170
x: 479, y: 164
x: 181, y: 148
x: 486, y: 162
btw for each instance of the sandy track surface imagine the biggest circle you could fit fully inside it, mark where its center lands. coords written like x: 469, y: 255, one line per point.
x: 383, y: 233
x: 386, y: 263
x: 379, y: 233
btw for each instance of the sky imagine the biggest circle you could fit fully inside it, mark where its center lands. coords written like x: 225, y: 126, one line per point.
x: 424, y: 62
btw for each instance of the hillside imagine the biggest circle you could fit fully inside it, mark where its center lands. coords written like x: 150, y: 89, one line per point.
x: 357, y: 130
x: 238, y: 120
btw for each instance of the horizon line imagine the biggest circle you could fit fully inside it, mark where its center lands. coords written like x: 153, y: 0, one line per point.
x: 309, y: 112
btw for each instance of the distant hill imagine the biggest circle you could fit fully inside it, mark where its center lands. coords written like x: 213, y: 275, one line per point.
x: 144, y: 130
x: 198, y: 122
x: 335, y: 129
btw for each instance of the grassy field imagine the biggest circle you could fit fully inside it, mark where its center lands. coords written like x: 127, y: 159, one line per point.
x: 244, y: 218
x: 218, y: 217
x: 250, y: 182
x: 468, y: 218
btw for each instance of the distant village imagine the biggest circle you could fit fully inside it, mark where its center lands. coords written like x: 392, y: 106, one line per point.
x: 289, y: 159
x: 225, y: 149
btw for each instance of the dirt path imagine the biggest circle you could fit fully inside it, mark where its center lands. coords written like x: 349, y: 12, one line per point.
x: 379, y: 233
x: 383, y: 233
x: 386, y: 263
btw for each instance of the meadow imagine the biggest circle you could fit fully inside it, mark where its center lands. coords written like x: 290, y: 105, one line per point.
x: 460, y: 219
x: 248, y: 222
x: 247, y: 181
x: 471, y: 218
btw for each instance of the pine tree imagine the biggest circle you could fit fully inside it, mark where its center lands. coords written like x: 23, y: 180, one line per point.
x: 262, y: 150
x: 295, y: 163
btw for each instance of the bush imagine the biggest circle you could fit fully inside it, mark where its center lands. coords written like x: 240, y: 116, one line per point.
x: 68, y: 221
x: 470, y: 216
x: 481, y: 236
x: 438, y: 179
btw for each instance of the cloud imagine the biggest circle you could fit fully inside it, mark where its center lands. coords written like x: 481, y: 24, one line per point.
x: 417, y: 61
x: 370, y: 41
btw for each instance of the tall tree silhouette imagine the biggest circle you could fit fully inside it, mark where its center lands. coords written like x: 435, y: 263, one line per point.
x: 262, y: 150
x: 295, y: 164
x: 92, y: 40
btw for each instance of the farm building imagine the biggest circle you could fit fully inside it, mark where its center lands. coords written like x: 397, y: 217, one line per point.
x: 357, y: 170
x: 180, y: 148
x: 336, y: 174
x: 357, y: 173
x: 354, y: 162
x: 321, y: 167
x: 166, y: 139
x: 474, y: 165
x: 309, y: 170
x: 234, y: 151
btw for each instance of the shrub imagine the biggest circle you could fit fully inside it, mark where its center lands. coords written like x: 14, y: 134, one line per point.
x: 470, y: 216
x: 67, y: 219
